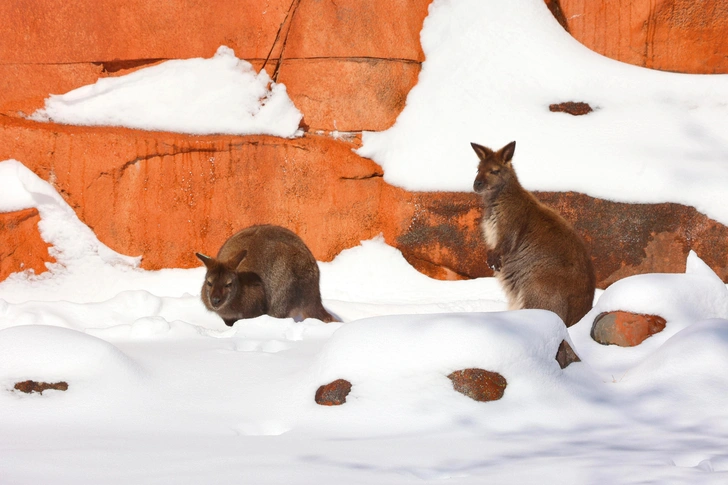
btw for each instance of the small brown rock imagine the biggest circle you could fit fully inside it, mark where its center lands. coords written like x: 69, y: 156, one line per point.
x: 571, y: 107
x: 35, y: 386
x: 624, y: 328
x: 566, y: 355
x: 334, y: 393
x: 479, y: 384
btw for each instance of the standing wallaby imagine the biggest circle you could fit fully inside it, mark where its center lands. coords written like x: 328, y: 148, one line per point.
x: 261, y: 270
x: 536, y: 255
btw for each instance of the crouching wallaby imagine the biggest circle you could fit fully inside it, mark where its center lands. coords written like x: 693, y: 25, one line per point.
x: 261, y: 270
x: 536, y: 255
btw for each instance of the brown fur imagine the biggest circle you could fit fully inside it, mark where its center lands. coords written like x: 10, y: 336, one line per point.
x: 276, y: 275
x: 537, y: 256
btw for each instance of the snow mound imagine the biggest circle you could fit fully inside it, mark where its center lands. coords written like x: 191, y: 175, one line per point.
x: 398, y: 366
x: 681, y: 299
x: 695, y: 295
x: 696, y: 358
x: 198, y: 96
x: 383, y: 276
x: 50, y: 354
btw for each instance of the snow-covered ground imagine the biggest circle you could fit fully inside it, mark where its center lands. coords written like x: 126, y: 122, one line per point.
x: 161, y: 391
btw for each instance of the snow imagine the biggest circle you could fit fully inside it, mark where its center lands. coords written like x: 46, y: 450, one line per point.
x: 199, y: 96
x: 493, y: 68
x: 161, y: 391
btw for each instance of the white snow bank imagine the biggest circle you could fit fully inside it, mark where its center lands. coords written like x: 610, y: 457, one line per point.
x: 398, y: 368
x: 493, y: 68
x: 199, y: 96
x: 684, y: 378
x: 382, y: 275
x: 684, y: 358
x: 681, y: 299
x: 52, y: 354
x: 695, y: 295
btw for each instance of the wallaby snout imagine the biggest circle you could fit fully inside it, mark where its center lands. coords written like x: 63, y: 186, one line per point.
x: 478, y: 185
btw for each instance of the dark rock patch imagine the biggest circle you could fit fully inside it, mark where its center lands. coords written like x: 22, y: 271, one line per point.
x: 34, y: 386
x: 479, y: 384
x: 566, y: 355
x: 334, y: 393
x: 572, y: 108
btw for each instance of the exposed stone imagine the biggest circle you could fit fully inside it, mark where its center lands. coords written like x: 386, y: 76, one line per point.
x: 555, y: 8
x: 196, y: 191
x: 375, y: 29
x: 671, y: 35
x: 21, y: 247
x: 565, y: 355
x: 348, y: 65
x: 349, y: 94
x: 629, y: 239
x: 479, y: 384
x: 441, y: 235
x: 624, y: 328
x: 59, y: 32
x: 571, y: 107
x: 24, y: 87
x: 35, y: 386
x: 334, y: 393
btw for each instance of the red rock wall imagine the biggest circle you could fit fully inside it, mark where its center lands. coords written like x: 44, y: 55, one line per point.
x: 671, y: 35
x: 348, y: 65
x: 165, y: 196
x: 21, y: 247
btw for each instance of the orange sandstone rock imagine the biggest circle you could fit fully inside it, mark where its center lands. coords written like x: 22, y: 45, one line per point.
x: 164, y: 196
x: 21, y: 247
x: 349, y: 94
x: 24, y: 87
x: 61, y: 32
x: 625, y: 329
x: 375, y: 29
x: 349, y: 65
x: 671, y: 35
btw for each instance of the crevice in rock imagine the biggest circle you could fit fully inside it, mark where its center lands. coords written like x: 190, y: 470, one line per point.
x: 282, y: 36
x: 122, y: 64
x: 555, y: 7
x: 364, y: 177
x: 353, y: 59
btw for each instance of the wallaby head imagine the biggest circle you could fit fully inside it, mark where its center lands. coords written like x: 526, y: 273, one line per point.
x: 494, y: 170
x: 222, y: 283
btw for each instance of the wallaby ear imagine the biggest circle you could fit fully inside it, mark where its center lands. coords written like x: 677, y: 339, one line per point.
x: 243, y: 254
x: 205, y: 259
x: 481, y: 151
x: 508, y: 151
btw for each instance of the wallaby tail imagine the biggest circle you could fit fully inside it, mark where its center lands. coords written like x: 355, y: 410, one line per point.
x: 325, y: 316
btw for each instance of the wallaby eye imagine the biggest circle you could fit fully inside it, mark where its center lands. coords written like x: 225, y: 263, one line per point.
x: 495, y: 171
x: 228, y: 284
x: 208, y: 283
